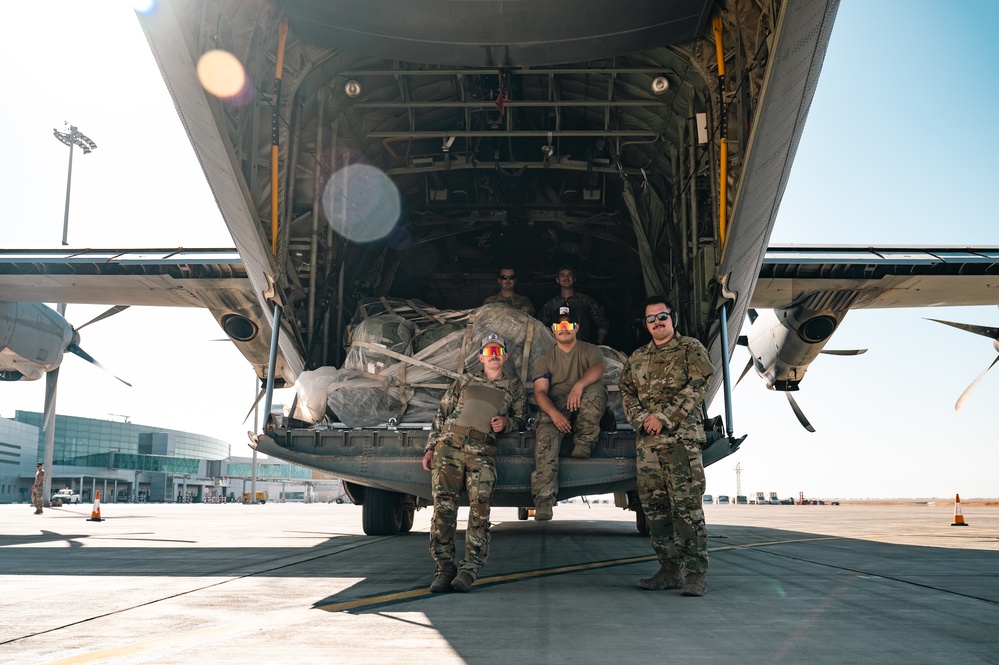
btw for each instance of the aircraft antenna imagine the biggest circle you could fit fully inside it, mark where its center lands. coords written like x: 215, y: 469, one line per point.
x: 738, y: 480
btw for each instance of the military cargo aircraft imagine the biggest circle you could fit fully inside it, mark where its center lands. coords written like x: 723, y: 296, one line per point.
x: 387, y: 151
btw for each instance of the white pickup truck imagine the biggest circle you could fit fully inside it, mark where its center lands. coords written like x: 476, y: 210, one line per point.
x: 66, y: 496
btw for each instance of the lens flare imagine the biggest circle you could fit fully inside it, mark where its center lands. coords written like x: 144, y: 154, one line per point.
x: 221, y: 74
x: 361, y: 203
x: 144, y: 6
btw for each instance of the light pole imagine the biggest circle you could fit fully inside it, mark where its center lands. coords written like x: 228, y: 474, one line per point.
x: 74, y: 137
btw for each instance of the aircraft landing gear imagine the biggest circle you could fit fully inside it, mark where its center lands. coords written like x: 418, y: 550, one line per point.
x: 640, y: 521
x: 386, y: 513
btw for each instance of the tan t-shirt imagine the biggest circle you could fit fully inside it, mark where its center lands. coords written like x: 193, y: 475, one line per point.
x: 564, y: 369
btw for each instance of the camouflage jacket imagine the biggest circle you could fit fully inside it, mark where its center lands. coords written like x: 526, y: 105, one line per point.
x: 516, y: 301
x: 514, y: 404
x: 592, y: 318
x: 668, y: 381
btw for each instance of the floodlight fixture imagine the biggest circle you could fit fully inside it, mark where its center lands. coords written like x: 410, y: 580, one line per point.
x: 660, y: 85
x: 75, y: 137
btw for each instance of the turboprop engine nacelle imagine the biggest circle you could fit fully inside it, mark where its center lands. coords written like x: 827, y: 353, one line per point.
x: 33, y: 339
x: 784, y: 343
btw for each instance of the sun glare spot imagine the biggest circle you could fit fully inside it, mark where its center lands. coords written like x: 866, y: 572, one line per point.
x: 144, y: 6
x: 221, y: 74
x: 361, y: 203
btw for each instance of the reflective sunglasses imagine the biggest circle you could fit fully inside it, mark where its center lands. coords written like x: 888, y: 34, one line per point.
x: 506, y: 277
x: 494, y: 351
x: 564, y: 325
x: 661, y: 316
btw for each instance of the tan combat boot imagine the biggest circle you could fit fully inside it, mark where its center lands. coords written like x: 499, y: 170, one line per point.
x: 543, y: 511
x: 581, y: 452
x: 694, y: 585
x: 463, y: 582
x: 668, y: 577
x: 442, y: 582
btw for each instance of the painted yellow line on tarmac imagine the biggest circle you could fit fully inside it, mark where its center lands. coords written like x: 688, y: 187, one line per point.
x: 413, y: 594
x: 482, y: 581
x: 193, y: 638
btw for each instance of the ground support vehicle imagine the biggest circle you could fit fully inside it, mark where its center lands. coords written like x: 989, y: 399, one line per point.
x: 65, y: 496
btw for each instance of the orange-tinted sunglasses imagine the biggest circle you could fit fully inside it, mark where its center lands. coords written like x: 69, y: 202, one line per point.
x: 494, y: 351
x: 564, y: 325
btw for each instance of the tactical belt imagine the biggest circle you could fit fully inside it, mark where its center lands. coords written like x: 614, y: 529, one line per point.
x: 471, y: 433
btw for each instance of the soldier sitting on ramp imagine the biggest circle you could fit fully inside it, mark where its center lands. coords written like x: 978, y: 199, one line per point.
x: 571, y: 398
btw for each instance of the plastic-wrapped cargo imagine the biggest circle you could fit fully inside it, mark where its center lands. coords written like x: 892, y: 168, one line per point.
x: 390, y: 331
x: 614, y: 362
x: 384, y: 379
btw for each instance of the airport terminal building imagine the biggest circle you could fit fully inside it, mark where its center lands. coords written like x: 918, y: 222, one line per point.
x: 126, y: 461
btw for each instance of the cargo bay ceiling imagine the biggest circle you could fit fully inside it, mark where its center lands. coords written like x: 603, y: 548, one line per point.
x: 525, y: 132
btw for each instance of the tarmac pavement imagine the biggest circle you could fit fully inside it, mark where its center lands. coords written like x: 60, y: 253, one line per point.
x: 297, y: 583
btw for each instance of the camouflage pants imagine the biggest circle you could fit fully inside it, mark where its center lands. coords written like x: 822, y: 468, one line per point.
x: 670, y: 487
x: 462, y: 462
x: 547, y: 438
x: 37, y: 497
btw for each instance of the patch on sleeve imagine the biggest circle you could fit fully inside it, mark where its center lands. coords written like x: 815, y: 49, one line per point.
x: 702, y: 362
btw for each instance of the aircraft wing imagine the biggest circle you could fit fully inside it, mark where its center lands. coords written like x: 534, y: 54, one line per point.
x: 877, y: 277
x: 215, y: 279
x: 153, y: 277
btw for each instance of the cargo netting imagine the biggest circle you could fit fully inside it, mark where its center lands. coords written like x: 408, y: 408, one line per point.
x: 403, y: 354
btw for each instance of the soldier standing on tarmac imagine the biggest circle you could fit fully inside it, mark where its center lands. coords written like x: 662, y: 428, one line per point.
x: 662, y: 387
x: 461, y: 452
x: 566, y: 385
x: 507, y: 279
x: 38, y: 489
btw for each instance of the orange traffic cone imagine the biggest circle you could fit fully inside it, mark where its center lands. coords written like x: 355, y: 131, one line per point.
x: 95, y: 513
x: 958, y: 516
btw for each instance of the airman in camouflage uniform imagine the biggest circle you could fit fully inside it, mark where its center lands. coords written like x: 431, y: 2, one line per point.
x: 461, y: 452
x: 507, y: 278
x: 593, y: 323
x: 662, y: 387
x: 567, y: 386
x: 38, y: 489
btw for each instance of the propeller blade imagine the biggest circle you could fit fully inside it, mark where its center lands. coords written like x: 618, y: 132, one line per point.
x: 984, y: 331
x: 742, y: 340
x: 76, y: 350
x: 111, y: 312
x: 974, y: 384
x: 745, y: 371
x: 843, y: 352
x: 752, y: 313
x: 51, y: 382
x: 799, y: 413
x: 260, y: 396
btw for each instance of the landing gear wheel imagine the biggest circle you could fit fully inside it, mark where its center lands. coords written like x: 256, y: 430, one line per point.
x: 641, y: 522
x: 381, y: 514
x: 408, y: 516
x: 523, y: 513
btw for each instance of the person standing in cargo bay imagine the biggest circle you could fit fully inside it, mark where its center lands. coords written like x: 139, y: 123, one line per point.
x: 593, y: 324
x: 461, y: 452
x: 662, y: 387
x: 507, y: 279
x: 571, y: 398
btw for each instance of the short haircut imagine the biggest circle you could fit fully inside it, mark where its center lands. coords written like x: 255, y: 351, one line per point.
x: 657, y: 300
x: 499, y: 271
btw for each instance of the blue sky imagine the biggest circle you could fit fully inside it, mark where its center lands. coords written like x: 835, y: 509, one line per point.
x: 897, y: 150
